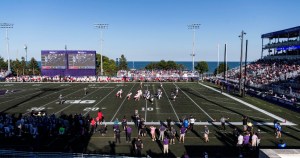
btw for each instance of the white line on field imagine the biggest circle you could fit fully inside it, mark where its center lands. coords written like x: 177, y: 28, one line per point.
x: 196, y: 104
x: 170, y: 103
x: 101, y: 101
x: 121, y: 105
x: 52, y: 101
x: 80, y: 99
x: 210, y: 123
x: 250, y: 105
x: 19, y: 97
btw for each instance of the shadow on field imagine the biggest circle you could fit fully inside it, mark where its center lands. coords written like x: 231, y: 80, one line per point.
x: 43, y: 91
x: 190, y: 91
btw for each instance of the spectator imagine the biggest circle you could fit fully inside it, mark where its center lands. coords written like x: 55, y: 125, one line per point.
x: 128, y: 133
x: 166, y: 145
x: 138, y: 146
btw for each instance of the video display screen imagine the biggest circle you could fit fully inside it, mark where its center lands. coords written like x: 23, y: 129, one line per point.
x: 54, y: 60
x: 82, y: 60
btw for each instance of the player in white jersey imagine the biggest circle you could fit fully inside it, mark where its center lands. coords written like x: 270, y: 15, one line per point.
x: 129, y: 96
x: 119, y: 93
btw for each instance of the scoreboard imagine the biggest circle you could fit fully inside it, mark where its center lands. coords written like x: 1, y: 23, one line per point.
x: 53, y: 60
x: 82, y: 60
x: 68, y: 62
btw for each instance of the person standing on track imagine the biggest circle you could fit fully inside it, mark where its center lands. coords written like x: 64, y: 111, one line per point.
x: 172, y: 135
x: 278, y: 129
x: 245, y: 121
x: 162, y: 130
x: 192, y: 122
x: 223, y: 121
x: 128, y: 131
x: 117, y: 135
x: 138, y: 146
x: 124, y: 122
x: 182, y: 134
x: 206, y: 133
x: 100, y: 116
x: 166, y: 145
x: 152, y: 131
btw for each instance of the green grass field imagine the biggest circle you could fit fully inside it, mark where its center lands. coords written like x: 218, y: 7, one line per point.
x: 205, y: 104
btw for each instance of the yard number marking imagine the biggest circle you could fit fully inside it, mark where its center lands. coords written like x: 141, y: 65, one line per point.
x: 148, y: 109
x: 91, y: 109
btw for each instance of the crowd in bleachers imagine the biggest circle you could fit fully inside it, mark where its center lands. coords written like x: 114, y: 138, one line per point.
x: 283, y: 42
x: 266, y: 72
x: 122, y: 75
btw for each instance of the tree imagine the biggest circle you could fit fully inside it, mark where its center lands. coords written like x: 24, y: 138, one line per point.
x: 3, y: 64
x: 163, y: 65
x: 171, y: 65
x: 151, y: 66
x: 33, y: 67
x: 220, y: 69
x: 123, y: 63
x: 109, y: 66
x: 16, y: 67
x: 202, y: 67
x: 24, y: 66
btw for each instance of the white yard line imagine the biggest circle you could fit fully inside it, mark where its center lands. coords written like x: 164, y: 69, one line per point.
x: 209, y: 123
x: 35, y: 98
x: 250, y: 105
x: 19, y: 97
x: 46, y: 96
x: 80, y: 99
x: 196, y: 104
x: 146, y: 105
x: 101, y: 100
x: 170, y: 103
x: 121, y: 104
x: 53, y: 101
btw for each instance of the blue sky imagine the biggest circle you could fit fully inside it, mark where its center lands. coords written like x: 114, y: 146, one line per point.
x: 144, y: 30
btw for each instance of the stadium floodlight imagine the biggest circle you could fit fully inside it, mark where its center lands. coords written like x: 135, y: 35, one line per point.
x: 193, y: 27
x: 240, y: 80
x: 7, y: 26
x: 101, y: 27
x: 25, y: 47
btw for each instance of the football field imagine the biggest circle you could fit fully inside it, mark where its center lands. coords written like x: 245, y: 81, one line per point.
x: 206, y: 104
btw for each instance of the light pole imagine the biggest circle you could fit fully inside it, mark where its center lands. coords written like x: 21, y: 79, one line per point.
x: 25, y: 47
x: 240, y: 80
x: 101, y: 27
x: 193, y: 27
x: 7, y: 26
x: 245, y: 75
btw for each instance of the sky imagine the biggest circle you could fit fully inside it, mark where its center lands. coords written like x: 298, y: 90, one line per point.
x: 144, y: 30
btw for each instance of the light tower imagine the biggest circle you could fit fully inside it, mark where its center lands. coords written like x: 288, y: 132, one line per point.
x: 240, y: 80
x: 194, y: 27
x: 25, y: 47
x: 7, y: 26
x: 101, y: 27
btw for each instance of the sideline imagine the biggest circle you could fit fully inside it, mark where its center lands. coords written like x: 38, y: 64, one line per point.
x: 284, y: 122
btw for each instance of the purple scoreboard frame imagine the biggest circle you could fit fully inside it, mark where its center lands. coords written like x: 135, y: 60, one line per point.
x: 67, y: 71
